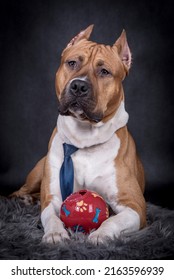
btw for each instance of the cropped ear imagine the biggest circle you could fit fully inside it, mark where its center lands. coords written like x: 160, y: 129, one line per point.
x: 123, y: 50
x: 84, y: 34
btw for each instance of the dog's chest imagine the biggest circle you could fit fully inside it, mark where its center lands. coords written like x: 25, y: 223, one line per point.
x: 94, y: 167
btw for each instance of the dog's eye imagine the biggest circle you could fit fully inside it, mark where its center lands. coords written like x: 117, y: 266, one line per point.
x: 104, y: 72
x: 72, y: 64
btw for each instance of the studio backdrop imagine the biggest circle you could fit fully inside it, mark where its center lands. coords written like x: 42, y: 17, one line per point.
x: 32, y: 37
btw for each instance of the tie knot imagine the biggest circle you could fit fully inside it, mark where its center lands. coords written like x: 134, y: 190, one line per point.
x: 69, y: 149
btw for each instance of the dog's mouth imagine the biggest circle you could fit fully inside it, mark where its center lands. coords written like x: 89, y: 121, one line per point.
x: 76, y: 111
x: 80, y: 109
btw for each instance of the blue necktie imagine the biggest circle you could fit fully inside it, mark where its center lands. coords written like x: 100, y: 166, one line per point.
x: 67, y: 171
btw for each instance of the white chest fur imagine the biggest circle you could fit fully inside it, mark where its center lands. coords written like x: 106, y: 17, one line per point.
x: 94, y: 168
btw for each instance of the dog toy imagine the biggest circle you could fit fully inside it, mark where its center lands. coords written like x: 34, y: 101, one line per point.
x: 84, y: 211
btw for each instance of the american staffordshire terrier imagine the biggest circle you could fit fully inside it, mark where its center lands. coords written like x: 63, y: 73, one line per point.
x: 92, y: 118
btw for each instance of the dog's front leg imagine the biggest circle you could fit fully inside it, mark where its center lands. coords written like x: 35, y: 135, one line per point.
x: 53, y: 226
x: 127, y: 220
x: 50, y: 203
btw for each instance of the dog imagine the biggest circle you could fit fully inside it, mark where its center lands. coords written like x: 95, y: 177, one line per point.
x: 92, y: 117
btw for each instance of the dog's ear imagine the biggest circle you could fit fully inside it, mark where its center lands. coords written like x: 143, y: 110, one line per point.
x: 123, y: 50
x: 84, y: 34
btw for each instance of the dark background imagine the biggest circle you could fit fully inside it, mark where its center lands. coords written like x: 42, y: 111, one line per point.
x: 32, y: 36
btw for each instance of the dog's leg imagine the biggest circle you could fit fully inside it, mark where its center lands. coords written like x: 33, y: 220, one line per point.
x: 126, y: 221
x: 50, y: 207
x: 34, y: 178
x: 30, y: 191
x: 130, y: 215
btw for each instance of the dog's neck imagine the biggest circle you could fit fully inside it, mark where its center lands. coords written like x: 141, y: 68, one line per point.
x: 84, y: 134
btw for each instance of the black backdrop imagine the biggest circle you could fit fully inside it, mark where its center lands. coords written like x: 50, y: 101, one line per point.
x: 32, y: 36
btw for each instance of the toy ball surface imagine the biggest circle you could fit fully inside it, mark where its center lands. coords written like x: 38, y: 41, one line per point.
x: 83, y: 211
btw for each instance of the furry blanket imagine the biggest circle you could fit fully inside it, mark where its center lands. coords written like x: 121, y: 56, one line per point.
x: 21, y: 233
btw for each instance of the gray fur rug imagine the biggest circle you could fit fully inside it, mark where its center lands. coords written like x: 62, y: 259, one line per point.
x: 21, y: 233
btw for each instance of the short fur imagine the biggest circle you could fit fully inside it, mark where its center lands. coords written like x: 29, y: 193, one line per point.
x: 92, y: 117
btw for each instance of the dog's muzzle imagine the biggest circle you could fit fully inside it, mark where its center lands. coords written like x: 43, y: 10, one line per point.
x: 78, y: 100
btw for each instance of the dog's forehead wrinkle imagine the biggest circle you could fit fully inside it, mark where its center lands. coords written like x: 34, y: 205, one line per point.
x: 91, y: 51
x: 102, y: 54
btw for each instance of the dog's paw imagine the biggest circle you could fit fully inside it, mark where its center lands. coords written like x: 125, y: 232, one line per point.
x: 27, y: 199
x: 100, y: 236
x: 55, y: 237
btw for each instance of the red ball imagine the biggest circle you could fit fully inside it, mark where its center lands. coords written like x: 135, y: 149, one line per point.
x: 84, y: 211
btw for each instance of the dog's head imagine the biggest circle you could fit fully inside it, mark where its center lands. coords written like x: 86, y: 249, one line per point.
x: 89, y: 79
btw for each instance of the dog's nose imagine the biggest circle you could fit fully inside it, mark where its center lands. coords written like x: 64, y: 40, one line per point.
x: 79, y: 87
